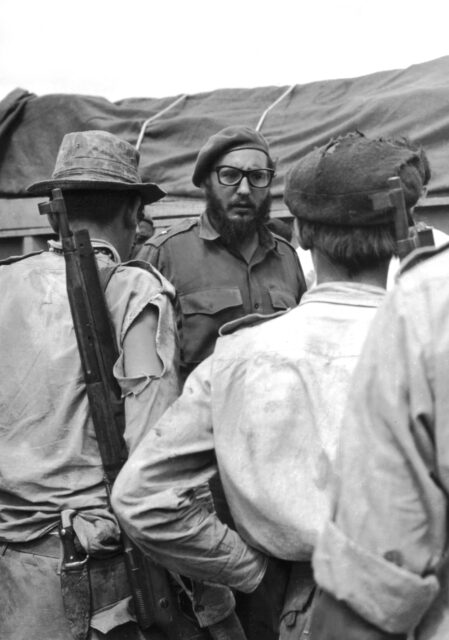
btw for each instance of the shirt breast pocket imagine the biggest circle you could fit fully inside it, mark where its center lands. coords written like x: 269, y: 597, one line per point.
x: 281, y: 299
x: 203, y: 313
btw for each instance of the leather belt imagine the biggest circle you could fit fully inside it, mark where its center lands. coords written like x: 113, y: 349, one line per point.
x: 48, y: 546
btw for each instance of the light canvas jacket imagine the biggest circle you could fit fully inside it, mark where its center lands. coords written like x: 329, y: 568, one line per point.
x: 265, y: 409
x: 385, y: 551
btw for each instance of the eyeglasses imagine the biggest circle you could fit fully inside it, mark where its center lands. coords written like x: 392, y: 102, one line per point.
x: 232, y: 176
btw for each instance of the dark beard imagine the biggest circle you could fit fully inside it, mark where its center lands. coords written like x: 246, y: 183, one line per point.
x: 234, y: 232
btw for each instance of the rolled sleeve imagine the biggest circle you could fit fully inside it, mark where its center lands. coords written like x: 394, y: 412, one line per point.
x: 386, y: 595
x: 383, y: 552
x: 132, y: 292
x: 161, y: 496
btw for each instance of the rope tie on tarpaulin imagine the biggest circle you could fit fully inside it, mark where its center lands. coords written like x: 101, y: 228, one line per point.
x: 184, y: 95
x: 274, y: 104
x: 157, y: 115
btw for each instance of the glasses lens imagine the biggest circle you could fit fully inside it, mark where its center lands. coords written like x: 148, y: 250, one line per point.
x: 260, y: 178
x: 229, y: 175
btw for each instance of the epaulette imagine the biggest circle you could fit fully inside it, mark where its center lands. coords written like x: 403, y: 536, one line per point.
x: 419, y: 255
x: 283, y: 240
x: 162, y: 236
x: 251, y: 320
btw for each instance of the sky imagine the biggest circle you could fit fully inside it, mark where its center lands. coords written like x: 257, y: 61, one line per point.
x: 148, y: 48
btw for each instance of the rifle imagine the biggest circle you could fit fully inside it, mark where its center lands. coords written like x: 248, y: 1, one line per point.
x: 152, y: 592
x: 422, y: 236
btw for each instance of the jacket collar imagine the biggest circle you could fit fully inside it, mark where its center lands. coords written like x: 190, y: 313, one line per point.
x: 99, y: 246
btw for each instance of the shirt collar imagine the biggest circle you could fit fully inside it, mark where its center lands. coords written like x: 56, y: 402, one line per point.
x: 267, y: 239
x: 346, y: 293
x: 99, y: 246
x: 206, y: 230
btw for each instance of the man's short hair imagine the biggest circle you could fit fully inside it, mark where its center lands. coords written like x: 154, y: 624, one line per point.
x: 355, y: 248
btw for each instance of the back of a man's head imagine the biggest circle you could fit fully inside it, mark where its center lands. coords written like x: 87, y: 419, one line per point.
x: 97, y: 206
x: 98, y: 174
x: 334, y: 194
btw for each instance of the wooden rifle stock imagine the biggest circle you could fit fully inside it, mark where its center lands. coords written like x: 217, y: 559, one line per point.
x: 406, y: 242
x: 153, y: 597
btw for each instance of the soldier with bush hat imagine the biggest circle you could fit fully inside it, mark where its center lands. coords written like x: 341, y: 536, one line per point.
x: 51, y: 473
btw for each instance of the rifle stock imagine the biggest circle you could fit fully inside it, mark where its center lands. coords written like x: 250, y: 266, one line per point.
x: 152, y: 594
x: 405, y: 241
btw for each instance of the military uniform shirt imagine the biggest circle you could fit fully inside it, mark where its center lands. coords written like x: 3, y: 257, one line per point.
x: 215, y: 284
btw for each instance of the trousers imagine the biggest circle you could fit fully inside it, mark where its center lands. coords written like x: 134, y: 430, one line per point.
x: 31, y: 603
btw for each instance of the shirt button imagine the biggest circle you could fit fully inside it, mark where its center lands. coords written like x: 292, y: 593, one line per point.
x: 395, y: 557
x: 256, y: 306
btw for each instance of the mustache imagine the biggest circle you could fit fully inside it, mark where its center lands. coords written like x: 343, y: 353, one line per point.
x: 242, y: 201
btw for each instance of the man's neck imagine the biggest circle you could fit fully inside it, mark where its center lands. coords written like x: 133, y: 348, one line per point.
x: 329, y: 271
x: 112, y: 234
x: 247, y: 247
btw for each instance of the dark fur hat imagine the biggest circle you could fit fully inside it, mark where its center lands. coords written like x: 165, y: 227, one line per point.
x: 343, y: 182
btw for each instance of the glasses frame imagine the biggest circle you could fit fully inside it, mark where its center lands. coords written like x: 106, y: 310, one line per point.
x: 244, y: 174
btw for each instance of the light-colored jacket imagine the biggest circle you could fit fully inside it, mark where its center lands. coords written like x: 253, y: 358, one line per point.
x: 385, y: 552
x: 265, y: 408
x: 49, y: 457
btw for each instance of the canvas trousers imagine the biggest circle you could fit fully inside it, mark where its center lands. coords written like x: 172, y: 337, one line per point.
x: 31, y: 603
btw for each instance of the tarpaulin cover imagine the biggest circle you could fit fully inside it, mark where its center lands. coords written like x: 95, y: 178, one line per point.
x: 412, y: 102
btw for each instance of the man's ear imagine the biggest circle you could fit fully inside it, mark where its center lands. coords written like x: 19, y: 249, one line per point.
x: 131, y: 213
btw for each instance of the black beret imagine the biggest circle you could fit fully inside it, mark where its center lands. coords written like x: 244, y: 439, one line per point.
x: 346, y: 181
x: 228, y: 139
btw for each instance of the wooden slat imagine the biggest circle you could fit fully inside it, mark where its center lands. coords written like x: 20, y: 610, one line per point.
x: 20, y: 216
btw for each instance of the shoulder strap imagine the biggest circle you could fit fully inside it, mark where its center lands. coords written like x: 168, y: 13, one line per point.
x: 162, y: 236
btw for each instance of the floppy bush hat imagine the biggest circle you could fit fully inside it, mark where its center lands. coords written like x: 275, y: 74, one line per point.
x: 97, y: 160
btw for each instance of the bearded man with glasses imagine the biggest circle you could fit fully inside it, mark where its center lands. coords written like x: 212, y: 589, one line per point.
x: 227, y: 263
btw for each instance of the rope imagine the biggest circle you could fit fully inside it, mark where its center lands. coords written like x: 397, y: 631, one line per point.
x: 276, y: 102
x: 157, y: 115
